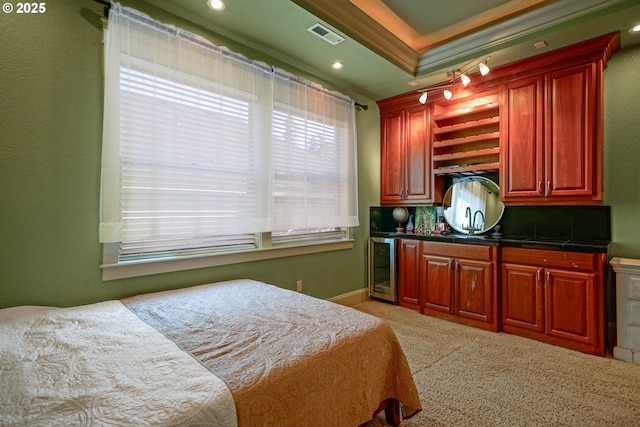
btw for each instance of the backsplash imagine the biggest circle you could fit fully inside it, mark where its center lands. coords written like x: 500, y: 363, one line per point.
x: 577, y: 223
x: 381, y: 218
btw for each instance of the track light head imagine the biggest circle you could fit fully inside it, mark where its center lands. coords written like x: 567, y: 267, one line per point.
x: 447, y: 94
x: 423, y: 98
x: 484, y: 68
x: 465, y: 79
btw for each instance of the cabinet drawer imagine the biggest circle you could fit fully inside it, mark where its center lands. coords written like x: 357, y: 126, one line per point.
x: 633, y: 289
x: 633, y: 338
x: 547, y: 258
x: 457, y: 250
x: 633, y: 314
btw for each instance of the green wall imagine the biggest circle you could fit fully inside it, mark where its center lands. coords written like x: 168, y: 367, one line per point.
x: 622, y: 151
x: 50, y: 145
x: 50, y: 142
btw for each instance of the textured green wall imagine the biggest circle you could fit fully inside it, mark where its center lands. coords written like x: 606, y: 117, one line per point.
x: 50, y: 142
x: 622, y: 151
x: 50, y: 145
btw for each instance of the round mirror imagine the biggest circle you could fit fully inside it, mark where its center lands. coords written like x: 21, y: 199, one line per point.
x: 472, y: 205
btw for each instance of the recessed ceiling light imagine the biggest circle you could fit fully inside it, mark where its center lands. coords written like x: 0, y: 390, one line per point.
x: 635, y: 29
x: 541, y: 44
x: 337, y: 65
x: 215, y: 4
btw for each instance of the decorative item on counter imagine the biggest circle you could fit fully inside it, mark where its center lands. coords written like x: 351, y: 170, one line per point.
x: 410, y: 228
x: 400, y: 215
x: 425, y: 220
x: 440, y: 228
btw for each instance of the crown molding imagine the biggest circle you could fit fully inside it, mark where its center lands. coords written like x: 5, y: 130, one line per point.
x: 347, y: 18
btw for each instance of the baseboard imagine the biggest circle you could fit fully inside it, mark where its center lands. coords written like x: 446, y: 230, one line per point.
x: 351, y: 298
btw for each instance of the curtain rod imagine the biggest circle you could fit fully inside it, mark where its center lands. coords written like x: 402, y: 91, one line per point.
x: 107, y: 6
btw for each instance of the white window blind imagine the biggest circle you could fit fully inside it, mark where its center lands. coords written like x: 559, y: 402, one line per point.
x: 204, y: 149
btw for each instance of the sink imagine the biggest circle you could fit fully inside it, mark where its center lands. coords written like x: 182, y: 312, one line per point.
x: 469, y: 236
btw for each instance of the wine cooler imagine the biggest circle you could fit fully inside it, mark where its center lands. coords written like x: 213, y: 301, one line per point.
x: 382, y: 269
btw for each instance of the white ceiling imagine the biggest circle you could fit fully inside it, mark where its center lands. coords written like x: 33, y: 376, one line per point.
x: 396, y: 46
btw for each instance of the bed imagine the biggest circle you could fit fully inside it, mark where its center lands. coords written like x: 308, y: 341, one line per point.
x: 234, y: 353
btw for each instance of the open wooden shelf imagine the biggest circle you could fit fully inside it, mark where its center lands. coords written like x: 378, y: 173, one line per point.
x: 466, y: 154
x: 474, y: 169
x: 492, y: 136
x: 467, y: 114
x: 466, y: 136
x: 473, y: 125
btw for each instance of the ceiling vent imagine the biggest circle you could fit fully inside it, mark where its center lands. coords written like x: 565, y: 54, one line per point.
x: 326, y: 34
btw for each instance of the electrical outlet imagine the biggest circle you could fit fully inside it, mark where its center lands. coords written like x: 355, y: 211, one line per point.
x: 299, y: 285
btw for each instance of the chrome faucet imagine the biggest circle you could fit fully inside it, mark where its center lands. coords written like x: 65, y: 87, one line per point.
x: 467, y: 214
x: 475, y: 226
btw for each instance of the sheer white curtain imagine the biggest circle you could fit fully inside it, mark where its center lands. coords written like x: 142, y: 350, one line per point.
x: 201, y: 142
x: 472, y: 195
x: 314, y: 157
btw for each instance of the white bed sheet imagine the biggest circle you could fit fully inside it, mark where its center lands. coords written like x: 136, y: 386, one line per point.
x: 100, y: 364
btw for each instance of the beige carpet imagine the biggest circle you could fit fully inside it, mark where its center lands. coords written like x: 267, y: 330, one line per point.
x: 470, y: 377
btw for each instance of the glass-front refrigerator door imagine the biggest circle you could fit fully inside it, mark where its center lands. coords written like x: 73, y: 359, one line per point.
x: 382, y: 269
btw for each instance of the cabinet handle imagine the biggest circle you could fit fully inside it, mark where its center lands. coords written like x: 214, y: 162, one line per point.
x: 548, y: 277
x: 539, y: 187
x: 548, y: 188
x: 538, y: 274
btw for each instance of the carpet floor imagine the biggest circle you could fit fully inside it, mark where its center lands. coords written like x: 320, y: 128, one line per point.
x: 470, y: 377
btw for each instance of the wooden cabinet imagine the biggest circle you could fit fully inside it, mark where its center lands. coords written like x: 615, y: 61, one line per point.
x: 551, y: 137
x: 438, y: 279
x: 405, y: 158
x: 408, y: 273
x: 466, y: 135
x: 458, y: 282
x: 555, y: 297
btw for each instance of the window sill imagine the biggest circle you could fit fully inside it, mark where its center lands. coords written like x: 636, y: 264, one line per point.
x: 166, y: 265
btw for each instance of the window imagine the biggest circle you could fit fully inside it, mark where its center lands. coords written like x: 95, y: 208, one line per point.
x: 207, y: 152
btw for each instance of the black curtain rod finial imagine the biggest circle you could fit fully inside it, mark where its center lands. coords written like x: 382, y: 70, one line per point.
x: 107, y: 7
x: 363, y: 106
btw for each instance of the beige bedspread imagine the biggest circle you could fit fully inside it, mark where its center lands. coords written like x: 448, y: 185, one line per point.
x: 100, y: 365
x: 288, y: 359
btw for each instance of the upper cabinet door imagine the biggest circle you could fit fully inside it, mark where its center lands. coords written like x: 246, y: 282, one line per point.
x: 571, y: 132
x: 392, y: 157
x: 405, y: 157
x: 521, y: 139
x: 551, y: 138
x: 418, y: 155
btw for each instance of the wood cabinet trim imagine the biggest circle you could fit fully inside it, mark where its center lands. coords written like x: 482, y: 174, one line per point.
x: 596, y: 50
x: 456, y: 250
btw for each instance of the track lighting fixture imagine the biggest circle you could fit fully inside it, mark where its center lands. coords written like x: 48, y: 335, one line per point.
x: 455, y: 74
x: 484, y: 68
x: 424, y: 93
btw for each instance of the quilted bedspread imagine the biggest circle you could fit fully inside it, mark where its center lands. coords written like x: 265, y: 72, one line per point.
x: 99, y: 365
x: 287, y: 358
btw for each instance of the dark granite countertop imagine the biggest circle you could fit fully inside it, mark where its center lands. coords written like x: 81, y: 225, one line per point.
x: 595, y: 246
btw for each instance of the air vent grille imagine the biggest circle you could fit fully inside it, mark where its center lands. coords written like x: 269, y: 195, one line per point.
x: 325, y: 34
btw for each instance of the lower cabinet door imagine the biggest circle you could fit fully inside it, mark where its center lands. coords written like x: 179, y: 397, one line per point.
x: 474, y: 290
x: 438, y: 280
x: 522, y: 297
x: 408, y: 274
x: 571, y: 310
